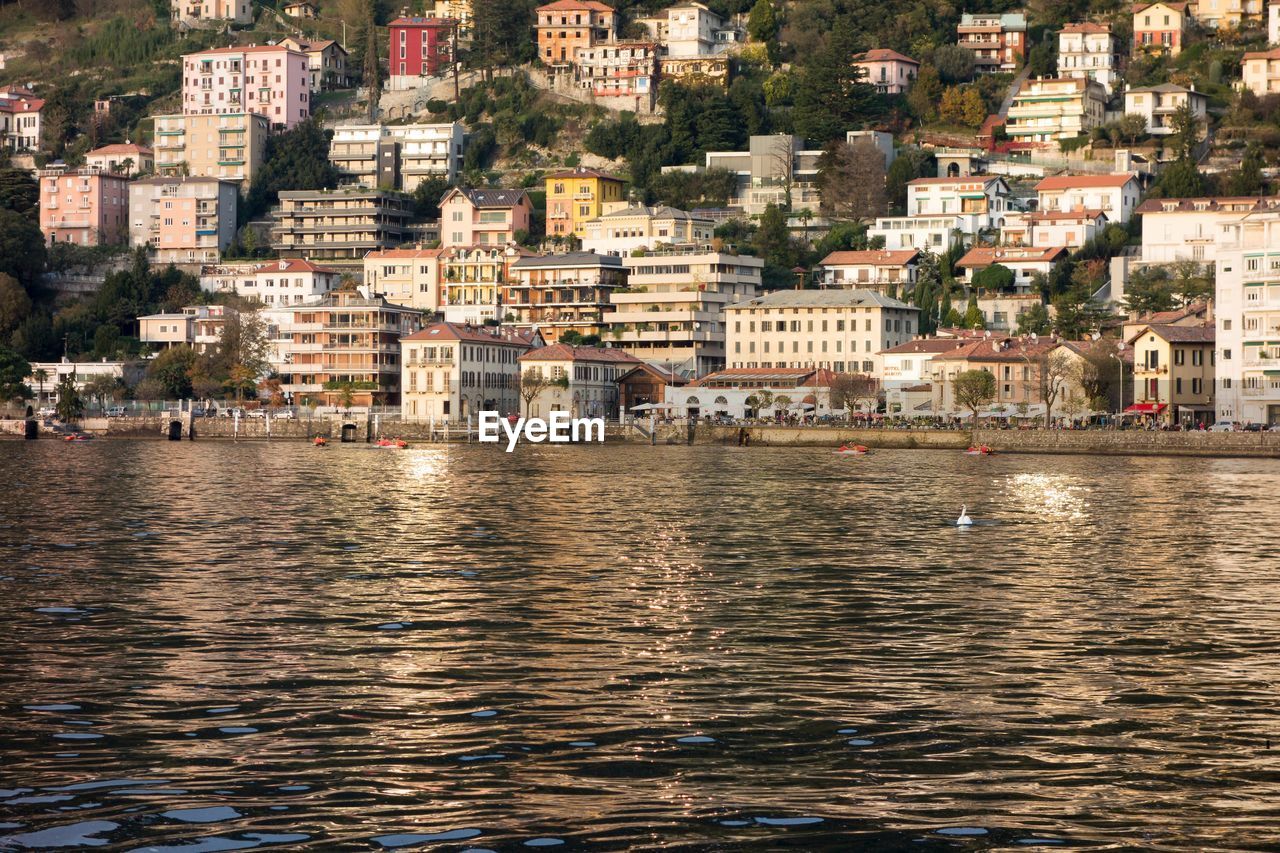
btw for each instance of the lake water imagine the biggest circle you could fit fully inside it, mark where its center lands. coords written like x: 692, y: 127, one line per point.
x: 208, y: 646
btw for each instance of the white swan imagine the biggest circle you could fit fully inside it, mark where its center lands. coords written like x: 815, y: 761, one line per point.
x: 964, y: 520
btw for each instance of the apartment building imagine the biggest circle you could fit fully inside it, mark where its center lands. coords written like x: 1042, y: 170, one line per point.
x: 691, y: 29
x: 197, y: 326
x: 1199, y: 229
x: 460, y: 11
x: 1015, y: 364
x: 582, y: 381
x: 619, y: 69
x: 934, y: 233
x: 470, y: 217
x: 1089, y: 51
x: 1226, y: 14
x: 874, y: 269
x: 406, y: 277
x: 397, y: 156
x: 1247, y: 309
x: 1260, y: 72
x: 889, y: 71
x: 1160, y: 27
x: 269, y: 80
x: 452, y: 371
x: 836, y: 329
x: 998, y: 42
x: 327, y: 61
x: 566, y: 26
x: 673, y: 307
x: 125, y: 158
x: 472, y: 282
x: 773, y: 170
x: 695, y: 70
x: 341, y: 225
x: 1046, y: 229
x: 1001, y: 311
x: 577, y: 196
x: 346, y: 342
x: 563, y: 293
x: 908, y: 364
x: 1025, y: 262
x: 1157, y: 104
x: 20, y: 125
x: 1174, y: 374
x: 87, y: 206
x: 232, y: 146
x: 1116, y: 195
x: 1273, y: 22
x: 1047, y: 110
x: 622, y: 229
x: 977, y: 203
x: 420, y: 47
x: 183, y: 220
x: 211, y: 13
x: 288, y: 281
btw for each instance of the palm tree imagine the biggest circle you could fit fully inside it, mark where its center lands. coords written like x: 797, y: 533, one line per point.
x: 127, y: 165
x: 41, y: 376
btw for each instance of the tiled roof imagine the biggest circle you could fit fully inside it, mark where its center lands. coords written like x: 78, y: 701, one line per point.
x: 999, y: 349
x: 975, y: 179
x: 1177, y: 7
x: 404, y: 253
x: 878, y: 257
x: 492, y: 198
x: 21, y: 105
x: 256, y: 48
x: 1163, y: 88
x: 575, y: 5
x: 1082, y: 182
x: 292, y: 265
x: 828, y: 298
x: 1274, y: 53
x: 925, y: 345
x: 1239, y: 204
x: 472, y: 334
x: 1178, y: 334
x: 985, y: 256
x: 565, y: 352
x: 569, y: 259
x: 1087, y: 27
x: 583, y: 172
x: 119, y: 148
x: 881, y: 54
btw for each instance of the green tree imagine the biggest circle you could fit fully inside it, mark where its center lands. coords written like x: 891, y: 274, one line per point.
x: 1149, y: 290
x: 1182, y: 179
x: 762, y: 23
x: 500, y: 34
x: 15, y: 305
x: 1035, y: 320
x: 832, y: 97
x: 70, y: 405
x: 102, y: 389
x: 996, y: 278
x: 172, y: 370
x: 924, y: 95
x: 1186, y: 127
x: 19, y: 192
x: 22, y: 247
x: 297, y: 159
x: 14, y: 371
x: 974, y: 108
x: 973, y: 389
x: 773, y: 239
x: 427, y: 196
x: 371, y: 65
x: 955, y: 64
x: 1248, y: 179
x: 973, y: 318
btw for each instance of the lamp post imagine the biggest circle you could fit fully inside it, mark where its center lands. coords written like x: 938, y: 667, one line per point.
x: 1120, y: 361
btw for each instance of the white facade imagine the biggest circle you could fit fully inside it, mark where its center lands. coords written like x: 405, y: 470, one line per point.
x: 1199, y: 229
x: 1045, y: 111
x: 1157, y: 105
x: 977, y: 203
x: 934, y: 234
x: 20, y: 126
x: 878, y: 268
x: 624, y: 229
x: 449, y: 372
x: 126, y: 372
x: 840, y: 330
x: 208, y: 13
x: 1247, y: 309
x: 405, y: 276
x: 289, y: 281
x: 673, y: 309
x: 1048, y: 229
x: 691, y: 29
x: 584, y: 380
x: 397, y: 156
x: 1273, y: 23
x: 1090, y: 52
x: 1117, y: 196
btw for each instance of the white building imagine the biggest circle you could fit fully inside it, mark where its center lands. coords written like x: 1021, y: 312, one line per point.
x: 908, y: 363
x: 396, y: 156
x: 450, y: 372
x: 1046, y: 229
x: 406, y: 277
x: 20, y: 125
x: 1157, y: 104
x: 212, y: 13
x: 1115, y: 195
x: 879, y: 269
x: 691, y: 29
x: 1047, y: 110
x: 582, y: 381
x: 977, y: 203
x: 840, y: 330
x: 1273, y: 22
x: 739, y: 392
x: 1024, y: 262
x: 1090, y: 51
x: 881, y: 140
x: 196, y: 326
x: 125, y: 372
x: 936, y: 233
x: 1247, y: 308
x: 1198, y: 229
x: 288, y: 281
x: 673, y: 308
x: 624, y: 228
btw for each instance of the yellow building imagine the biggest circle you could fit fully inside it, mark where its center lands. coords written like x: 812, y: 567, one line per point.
x: 1173, y: 373
x: 577, y: 196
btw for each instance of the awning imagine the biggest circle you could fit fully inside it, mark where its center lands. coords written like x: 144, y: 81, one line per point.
x: 1146, y: 408
x: 645, y: 407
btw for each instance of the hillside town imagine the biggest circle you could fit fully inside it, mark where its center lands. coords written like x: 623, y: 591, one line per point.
x: 701, y: 211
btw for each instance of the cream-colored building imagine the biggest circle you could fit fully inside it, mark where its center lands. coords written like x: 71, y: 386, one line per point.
x: 405, y: 276
x: 340, y: 225
x: 472, y: 282
x: 126, y: 158
x: 1158, y: 104
x: 1198, y: 229
x: 582, y: 381
x: 840, y: 330
x: 453, y: 371
x: 673, y: 307
x: 327, y: 61
x: 558, y: 294
x: 1227, y: 14
x: 232, y: 146
x: 212, y: 13
x: 1116, y: 195
x: 1023, y: 261
x: 288, y: 281
x: 623, y: 228
x: 1090, y: 51
x: 878, y: 269
x: 1247, y: 309
x: 1173, y: 373
x: 1260, y: 72
x: 1046, y: 229
x: 396, y: 156
x: 1047, y: 110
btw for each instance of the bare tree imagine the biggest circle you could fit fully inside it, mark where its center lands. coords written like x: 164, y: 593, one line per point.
x: 1056, y: 370
x: 532, y: 383
x: 973, y: 389
x: 851, y: 390
x: 851, y: 179
x: 783, y: 160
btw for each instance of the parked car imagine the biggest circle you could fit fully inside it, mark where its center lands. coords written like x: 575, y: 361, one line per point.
x: 1224, y: 426
x: 116, y: 412
x: 1253, y: 427
x: 231, y: 411
x: 47, y: 412
x: 286, y: 414
x: 257, y: 413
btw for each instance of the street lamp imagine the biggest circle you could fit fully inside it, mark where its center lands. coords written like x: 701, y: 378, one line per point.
x: 1119, y: 357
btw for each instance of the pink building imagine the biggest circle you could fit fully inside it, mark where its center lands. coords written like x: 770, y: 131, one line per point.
x: 483, y: 217
x: 272, y: 81
x: 88, y: 207
x: 889, y: 71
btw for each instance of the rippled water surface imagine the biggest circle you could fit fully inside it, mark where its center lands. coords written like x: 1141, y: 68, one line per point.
x: 211, y: 647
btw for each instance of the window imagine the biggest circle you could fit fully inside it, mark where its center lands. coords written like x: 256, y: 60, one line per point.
x: 1226, y: 355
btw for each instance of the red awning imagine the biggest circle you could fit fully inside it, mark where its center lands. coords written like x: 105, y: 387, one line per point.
x: 1147, y: 408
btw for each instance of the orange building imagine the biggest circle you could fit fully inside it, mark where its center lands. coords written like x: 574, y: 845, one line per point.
x: 566, y: 25
x: 87, y: 206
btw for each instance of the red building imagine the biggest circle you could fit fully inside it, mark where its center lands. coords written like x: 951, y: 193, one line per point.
x: 420, y: 47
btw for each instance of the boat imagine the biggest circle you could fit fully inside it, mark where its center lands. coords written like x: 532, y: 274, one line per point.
x: 392, y: 443
x: 982, y: 450
x: 856, y: 450
x: 78, y: 436
x: 320, y: 441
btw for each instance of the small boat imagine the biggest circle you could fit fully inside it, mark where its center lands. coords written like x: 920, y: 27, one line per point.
x: 78, y: 436
x: 856, y: 450
x: 392, y: 443
x: 979, y: 451
x: 320, y: 441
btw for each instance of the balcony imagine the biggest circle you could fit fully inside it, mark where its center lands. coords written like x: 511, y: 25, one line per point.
x: 1146, y: 370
